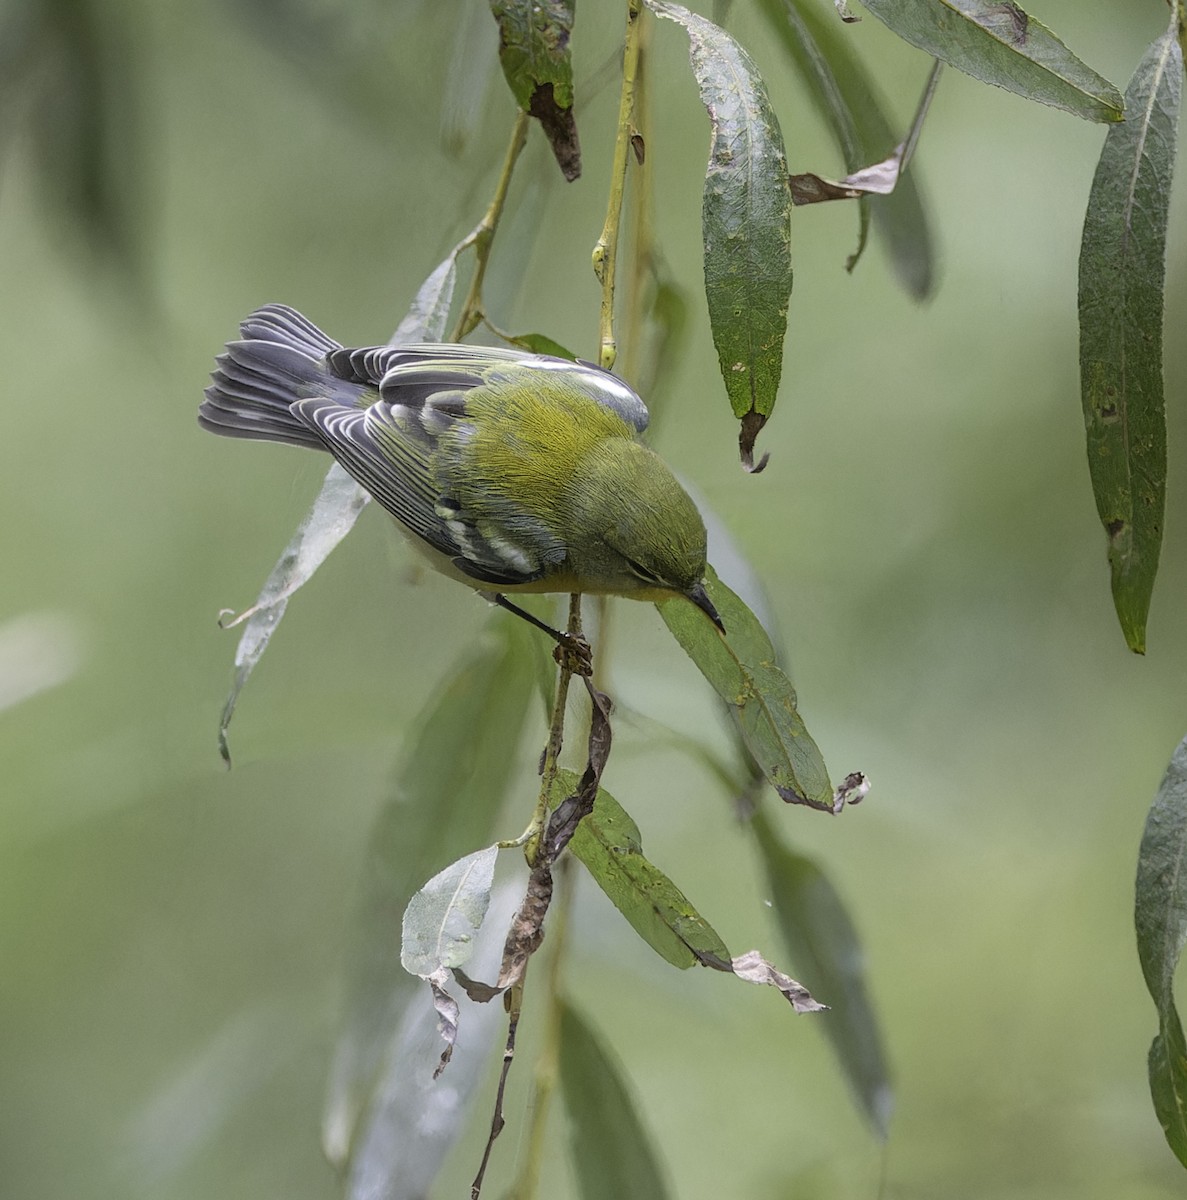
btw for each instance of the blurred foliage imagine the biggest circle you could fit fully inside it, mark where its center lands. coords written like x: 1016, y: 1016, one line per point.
x: 71, y: 72
x: 174, y: 932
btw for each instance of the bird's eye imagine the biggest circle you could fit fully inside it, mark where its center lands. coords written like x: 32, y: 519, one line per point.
x: 641, y: 572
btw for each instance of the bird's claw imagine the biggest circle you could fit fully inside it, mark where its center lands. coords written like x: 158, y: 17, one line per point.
x: 573, y: 654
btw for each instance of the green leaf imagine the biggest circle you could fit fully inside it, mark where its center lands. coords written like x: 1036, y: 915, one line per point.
x: 826, y: 952
x: 998, y: 43
x: 846, y: 97
x: 449, y: 785
x: 534, y: 52
x: 607, y: 842
x: 1122, y: 271
x: 333, y: 514
x: 743, y: 670
x: 80, y: 65
x: 746, y: 222
x: 1160, y: 915
x: 613, y: 1157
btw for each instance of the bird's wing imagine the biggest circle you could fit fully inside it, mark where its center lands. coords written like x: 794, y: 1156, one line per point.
x: 388, y: 449
x: 406, y: 375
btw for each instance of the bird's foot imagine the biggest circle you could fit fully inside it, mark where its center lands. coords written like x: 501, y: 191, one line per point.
x: 573, y: 654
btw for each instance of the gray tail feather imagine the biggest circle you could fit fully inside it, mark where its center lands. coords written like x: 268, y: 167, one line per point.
x: 281, y: 359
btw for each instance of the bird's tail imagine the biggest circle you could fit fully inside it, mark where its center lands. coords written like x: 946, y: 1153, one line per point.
x: 281, y: 359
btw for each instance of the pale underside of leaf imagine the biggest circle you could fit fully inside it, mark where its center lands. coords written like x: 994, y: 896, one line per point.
x: 331, y: 518
x: 444, y: 917
x: 334, y: 512
x: 446, y: 793
x: 999, y: 43
x: 879, y: 179
x: 440, y: 926
x: 1122, y: 275
x: 413, y: 1112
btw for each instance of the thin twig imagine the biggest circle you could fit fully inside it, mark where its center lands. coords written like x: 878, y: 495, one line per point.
x: 483, y: 233
x: 552, y: 749
x: 548, y: 1063
x: 605, y: 253
x: 527, y: 928
x: 514, y: 1002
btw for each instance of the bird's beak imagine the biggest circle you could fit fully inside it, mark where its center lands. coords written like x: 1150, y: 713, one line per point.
x: 700, y: 598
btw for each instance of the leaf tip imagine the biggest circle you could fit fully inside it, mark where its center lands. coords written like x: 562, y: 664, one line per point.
x: 224, y: 748
x: 1135, y: 634
x: 752, y: 424
x: 559, y: 128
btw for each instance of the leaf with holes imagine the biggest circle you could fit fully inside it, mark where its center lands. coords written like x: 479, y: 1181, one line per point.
x: 534, y: 51
x: 746, y: 223
x: 1122, y: 273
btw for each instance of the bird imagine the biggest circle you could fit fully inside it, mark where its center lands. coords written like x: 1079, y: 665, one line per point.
x: 512, y: 472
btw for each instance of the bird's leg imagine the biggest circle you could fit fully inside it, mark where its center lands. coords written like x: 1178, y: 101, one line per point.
x: 572, y: 650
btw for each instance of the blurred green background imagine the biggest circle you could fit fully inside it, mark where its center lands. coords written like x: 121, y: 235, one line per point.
x: 172, y: 933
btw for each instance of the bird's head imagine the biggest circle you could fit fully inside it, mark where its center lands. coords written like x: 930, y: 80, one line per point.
x: 635, y: 531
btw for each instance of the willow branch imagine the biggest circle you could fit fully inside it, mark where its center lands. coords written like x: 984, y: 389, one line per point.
x: 483, y: 234
x: 605, y: 253
x: 547, y: 1070
x: 641, y: 251
x: 556, y: 735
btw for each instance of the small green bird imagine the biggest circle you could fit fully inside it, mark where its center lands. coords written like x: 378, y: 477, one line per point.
x: 514, y: 472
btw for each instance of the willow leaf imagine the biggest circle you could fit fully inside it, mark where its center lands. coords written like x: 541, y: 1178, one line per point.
x: 607, y: 842
x: 443, y: 918
x: 1160, y: 916
x: 1122, y: 272
x: 742, y: 668
x: 846, y: 97
x: 825, y: 950
x: 447, y: 791
x: 746, y: 222
x: 534, y: 51
x: 997, y: 42
x: 613, y: 1157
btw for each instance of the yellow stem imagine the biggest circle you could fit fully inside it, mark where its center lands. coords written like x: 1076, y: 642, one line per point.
x: 483, y: 234
x: 641, y: 261
x: 605, y: 253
